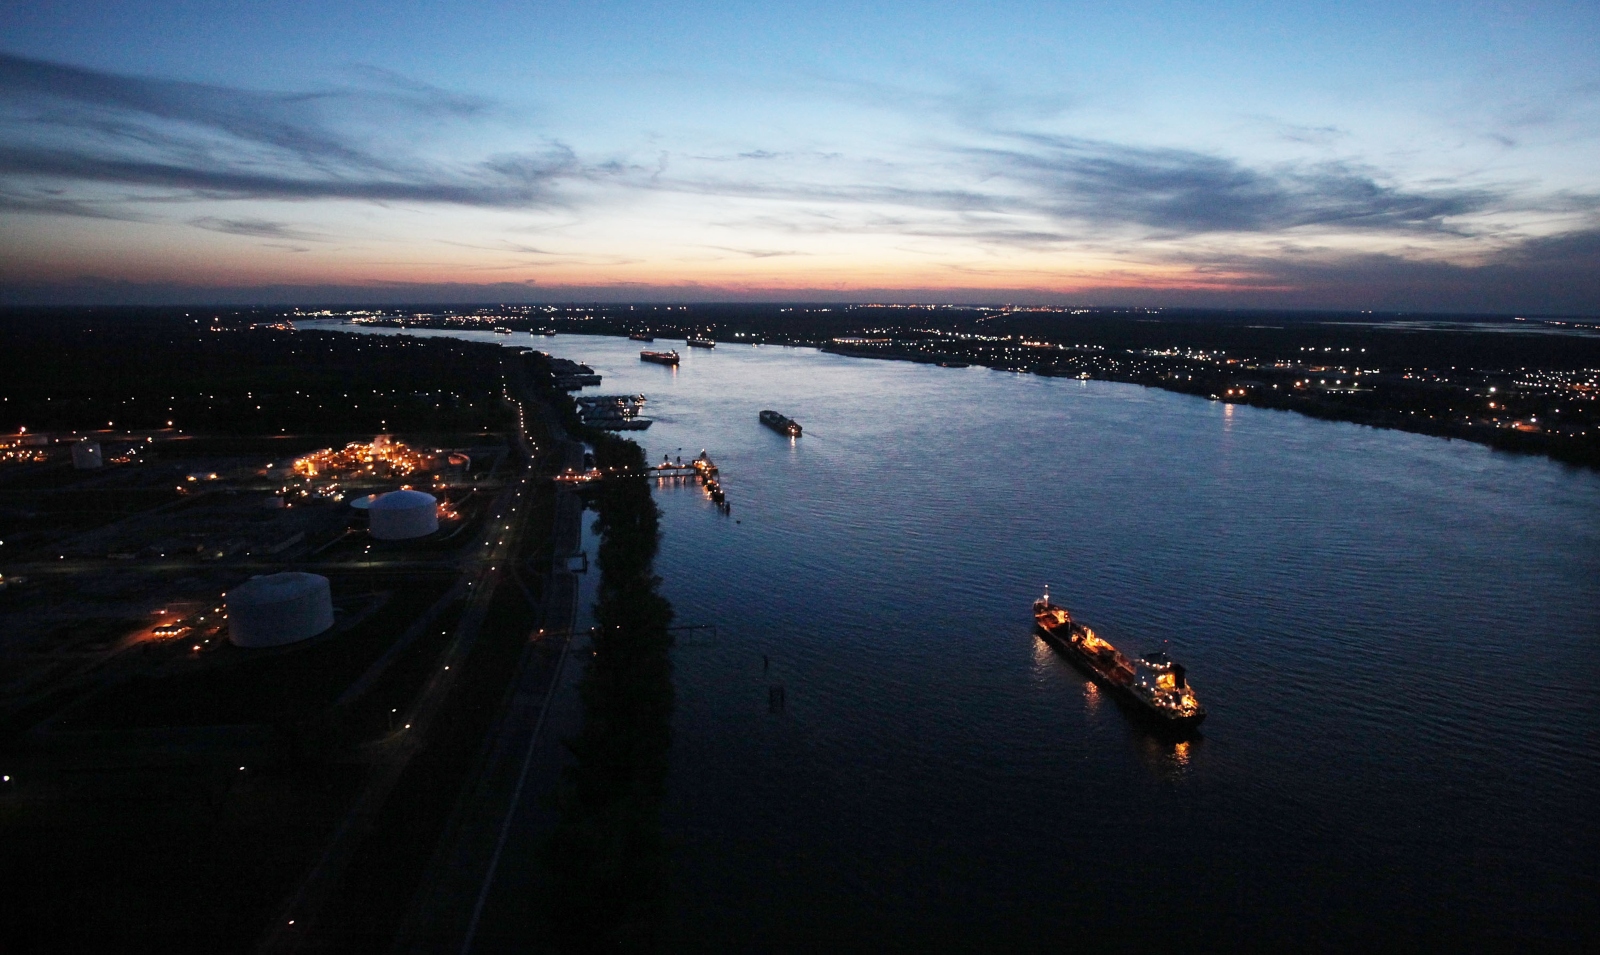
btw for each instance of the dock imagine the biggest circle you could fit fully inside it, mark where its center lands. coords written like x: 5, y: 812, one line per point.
x: 701, y: 469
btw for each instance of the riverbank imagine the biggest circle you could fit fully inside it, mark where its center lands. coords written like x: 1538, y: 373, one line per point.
x: 607, y: 858
x: 1296, y: 388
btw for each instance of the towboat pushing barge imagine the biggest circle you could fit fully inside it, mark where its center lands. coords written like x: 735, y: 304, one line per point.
x: 1152, y: 682
x: 780, y: 424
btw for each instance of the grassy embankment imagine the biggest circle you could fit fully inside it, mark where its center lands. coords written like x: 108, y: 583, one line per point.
x: 607, y: 857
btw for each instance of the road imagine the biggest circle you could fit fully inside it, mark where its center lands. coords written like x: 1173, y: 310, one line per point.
x: 488, y: 563
x: 448, y: 905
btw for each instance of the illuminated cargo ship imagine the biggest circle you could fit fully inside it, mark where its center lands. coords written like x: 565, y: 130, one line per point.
x: 780, y: 424
x: 1154, y: 683
x: 660, y: 357
x: 641, y: 337
x: 700, y: 341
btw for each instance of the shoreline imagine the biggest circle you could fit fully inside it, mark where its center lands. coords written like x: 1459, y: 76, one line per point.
x: 1510, y: 440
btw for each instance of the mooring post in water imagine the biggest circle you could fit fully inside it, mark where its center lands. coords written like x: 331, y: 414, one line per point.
x: 775, y: 699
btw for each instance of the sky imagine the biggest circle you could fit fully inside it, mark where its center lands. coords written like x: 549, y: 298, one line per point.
x: 1437, y: 156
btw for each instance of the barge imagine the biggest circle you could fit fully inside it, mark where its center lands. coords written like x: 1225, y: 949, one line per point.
x: 641, y: 337
x: 700, y: 341
x: 781, y: 424
x: 660, y: 357
x: 614, y: 412
x: 1154, y: 683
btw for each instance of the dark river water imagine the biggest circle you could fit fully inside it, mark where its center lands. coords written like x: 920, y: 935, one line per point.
x: 1397, y: 638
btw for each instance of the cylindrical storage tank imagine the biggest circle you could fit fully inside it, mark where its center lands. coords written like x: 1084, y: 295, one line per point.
x: 401, y: 515
x: 86, y: 455
x: 277, y: 609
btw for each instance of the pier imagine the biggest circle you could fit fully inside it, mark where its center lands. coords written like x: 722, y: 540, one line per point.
x: 701, y: 469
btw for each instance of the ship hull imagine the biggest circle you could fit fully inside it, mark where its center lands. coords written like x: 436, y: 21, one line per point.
x: 787, y: 427
x: 1114, y: 680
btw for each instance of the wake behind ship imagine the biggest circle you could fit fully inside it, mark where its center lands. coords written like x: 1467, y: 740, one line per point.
x: 1152, y: 682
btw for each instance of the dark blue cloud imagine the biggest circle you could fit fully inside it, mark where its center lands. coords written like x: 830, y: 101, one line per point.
x: 68, y: 124
x: 258, y: 228
x: 1186, y: 192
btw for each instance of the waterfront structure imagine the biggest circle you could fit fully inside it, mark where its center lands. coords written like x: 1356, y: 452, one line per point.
x: 278, y: 609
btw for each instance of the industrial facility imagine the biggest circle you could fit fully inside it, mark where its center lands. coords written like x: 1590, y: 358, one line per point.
x: 403, y: 515
x: 278, y: 609
x: 87, y: 455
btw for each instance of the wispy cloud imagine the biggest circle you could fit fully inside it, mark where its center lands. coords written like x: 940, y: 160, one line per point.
x: 69, y: 124
x: 63, y: 123
x: 56, y: 202
x: 258, y: 228
x: 1186, y: 192
x: 757, y: 253
x: 87, y: 143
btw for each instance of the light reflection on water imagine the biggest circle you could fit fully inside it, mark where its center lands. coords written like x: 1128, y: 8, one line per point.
x: 1394, y: 636
x: 1091, y: 697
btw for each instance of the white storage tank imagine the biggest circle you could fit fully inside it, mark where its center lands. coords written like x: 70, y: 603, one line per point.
x: 277, y: 609
x: 86, y: 455
x: 402, y: 515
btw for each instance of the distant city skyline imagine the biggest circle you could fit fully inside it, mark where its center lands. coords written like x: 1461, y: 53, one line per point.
x: 1406, y: 156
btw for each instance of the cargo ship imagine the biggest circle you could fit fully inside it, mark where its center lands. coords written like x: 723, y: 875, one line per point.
x: 700, y: 341
x: 641, y: 337
x: 660, y: 357
x: 1153, y: 683
x: 780, y: 424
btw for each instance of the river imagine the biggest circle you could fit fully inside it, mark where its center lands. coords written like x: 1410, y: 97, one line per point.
x: 1397, y: 638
